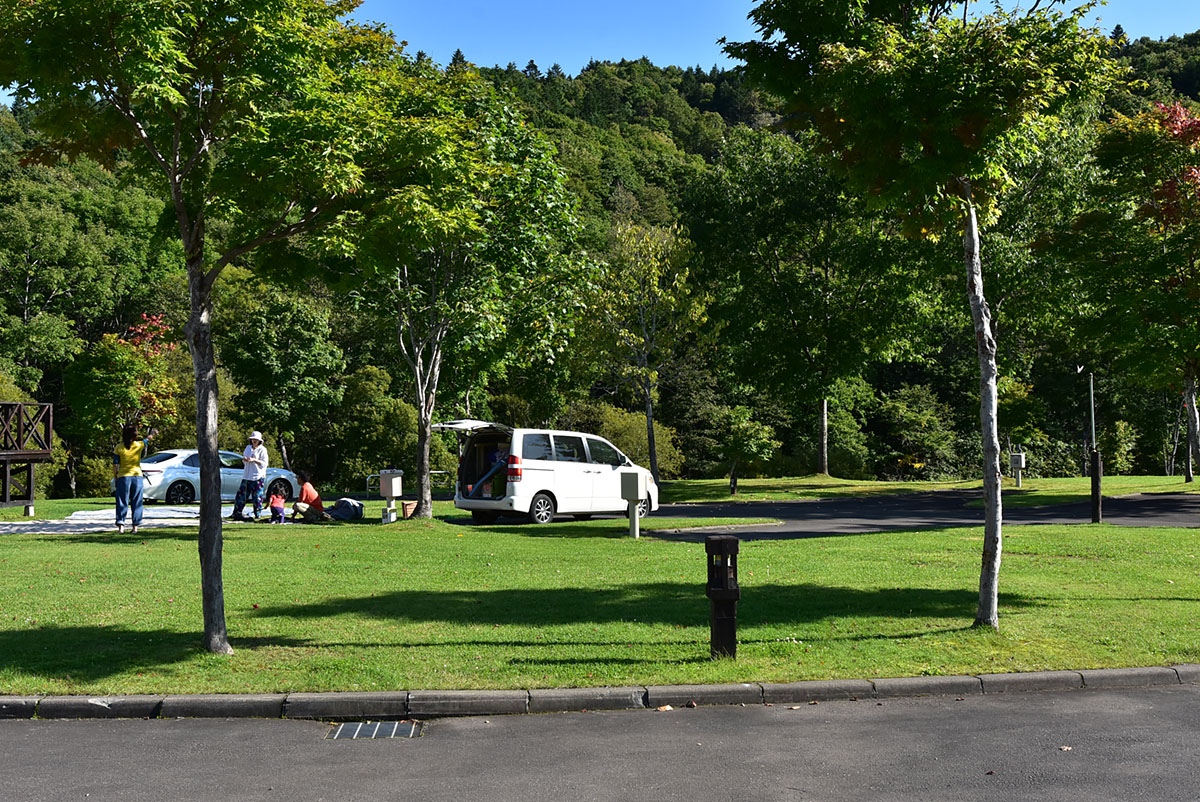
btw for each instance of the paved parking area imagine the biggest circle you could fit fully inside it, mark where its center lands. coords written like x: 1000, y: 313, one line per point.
x: 1083, y: 745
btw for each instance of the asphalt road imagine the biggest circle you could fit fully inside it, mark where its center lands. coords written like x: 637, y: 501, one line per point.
x: 1123, y: 745
x: 948, y: 508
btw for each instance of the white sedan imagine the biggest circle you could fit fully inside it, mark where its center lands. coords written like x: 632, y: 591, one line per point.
x: 173, y: 475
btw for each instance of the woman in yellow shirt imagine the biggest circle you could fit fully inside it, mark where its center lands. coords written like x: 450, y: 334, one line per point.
x: 127, y: 470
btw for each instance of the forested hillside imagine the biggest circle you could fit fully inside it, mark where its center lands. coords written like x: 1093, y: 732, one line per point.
x: 779, y: 301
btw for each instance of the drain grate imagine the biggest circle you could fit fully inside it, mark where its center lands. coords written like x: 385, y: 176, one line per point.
x: 360, y: 730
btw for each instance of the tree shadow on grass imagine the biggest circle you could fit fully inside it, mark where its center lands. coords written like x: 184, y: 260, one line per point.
x: 166, y: 533
x: 88, y: 654
x: 653, y: 603
x: 612, y: 527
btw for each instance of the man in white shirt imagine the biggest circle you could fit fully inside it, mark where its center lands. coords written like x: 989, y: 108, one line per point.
x: 254, y: 477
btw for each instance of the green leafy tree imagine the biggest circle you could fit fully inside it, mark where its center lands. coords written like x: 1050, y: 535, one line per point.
x: 372, y: 429
x: 924, y: 110
x: 1138, y: 250
x: 815, y: 286
x: 278, y: 349
x: 473, y: 270
x: 743, y: 440
x: 77, y: 248
x: 650, y: 309
x: 120, y: 381
x: 917, y: 441
x: 258, y: 123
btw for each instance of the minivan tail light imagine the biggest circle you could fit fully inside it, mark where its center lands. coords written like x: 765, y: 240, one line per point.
x: 514, y: 468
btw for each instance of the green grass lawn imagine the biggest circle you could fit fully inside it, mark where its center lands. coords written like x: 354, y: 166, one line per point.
x: 1038, y: 492
x: 443, y: 604
x: 1033, y: 492
x: 682, y: 491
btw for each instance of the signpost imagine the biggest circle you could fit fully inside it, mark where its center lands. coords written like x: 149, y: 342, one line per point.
x: 633, y: 490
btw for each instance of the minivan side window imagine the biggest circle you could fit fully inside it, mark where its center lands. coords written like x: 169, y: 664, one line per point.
x: 568, y: 448
x: 536, y: 446
x: 603, y: 453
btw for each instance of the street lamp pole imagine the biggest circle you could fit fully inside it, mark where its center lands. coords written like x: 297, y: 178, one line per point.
x: 1097, y: 463
x: 1092, y: 401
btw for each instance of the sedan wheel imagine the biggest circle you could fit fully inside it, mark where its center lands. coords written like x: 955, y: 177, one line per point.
x: 280, y: 487
x: 181, y: 493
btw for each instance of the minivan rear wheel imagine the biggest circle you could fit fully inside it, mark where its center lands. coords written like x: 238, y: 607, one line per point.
x: 541, y: 509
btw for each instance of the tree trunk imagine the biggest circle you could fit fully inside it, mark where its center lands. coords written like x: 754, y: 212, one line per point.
x: 424, y: 484
x: 1193, y: 420
x: 823, y: 437
x: 428, y: 402
x: 199, y: 339
x: 287, y: 463
x: 987, y: 613
x: 647, y: 390
x: 1171, y: 459
x: 733, y: 479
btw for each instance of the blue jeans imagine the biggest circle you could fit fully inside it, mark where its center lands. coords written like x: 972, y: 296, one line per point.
x: 129, y: 498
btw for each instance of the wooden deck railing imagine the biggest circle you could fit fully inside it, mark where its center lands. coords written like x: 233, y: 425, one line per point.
x: 25, y: 432
x: 25, y: 440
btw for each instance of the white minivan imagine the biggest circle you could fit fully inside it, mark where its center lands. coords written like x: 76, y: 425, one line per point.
x: 540, y: 473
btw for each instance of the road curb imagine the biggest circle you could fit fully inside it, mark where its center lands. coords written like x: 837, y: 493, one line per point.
x: 18, y: 706
x: 745, y: 693
x: 134, y: 706
x: 886, y: 687
x: 562, y: 700
x: 817, y: 691
x: 1129, y: 677
x: 223, y: 705
x: 442, y: 704
x: 373, y: 705
x: 388, y: 706
x: 1032, y: 681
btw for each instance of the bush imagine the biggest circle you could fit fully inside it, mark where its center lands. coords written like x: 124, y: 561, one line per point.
x: 376, y: 430
x: 916, y: 441
x: 92, y: 477
x: 1051, y: 458
x: 627, y: 431
x: 1117, y: 444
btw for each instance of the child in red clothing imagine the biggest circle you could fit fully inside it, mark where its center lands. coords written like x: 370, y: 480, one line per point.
x: 276, y: 502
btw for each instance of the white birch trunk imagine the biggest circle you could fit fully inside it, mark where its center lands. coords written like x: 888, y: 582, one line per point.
x: 987, y: 613
x: 1193, y: 421
x: 823, y: 437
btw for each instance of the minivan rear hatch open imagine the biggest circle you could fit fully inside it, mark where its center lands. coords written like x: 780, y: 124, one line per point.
x: 482, y: 458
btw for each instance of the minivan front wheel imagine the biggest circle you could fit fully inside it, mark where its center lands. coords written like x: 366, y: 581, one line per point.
x: 541, y: 510
x: 643, y: 508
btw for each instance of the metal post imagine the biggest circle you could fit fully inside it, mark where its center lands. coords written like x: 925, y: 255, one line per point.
x: 635, y: 520
x: 1092, y: 400
x: 723, y: 593
x: 1097, y: 475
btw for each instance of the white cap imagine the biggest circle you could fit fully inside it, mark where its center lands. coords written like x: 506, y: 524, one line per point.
x: 256, y: 436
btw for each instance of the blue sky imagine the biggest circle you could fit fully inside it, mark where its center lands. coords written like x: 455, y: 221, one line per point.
x: 680, y: 32
x: 667, y: 31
